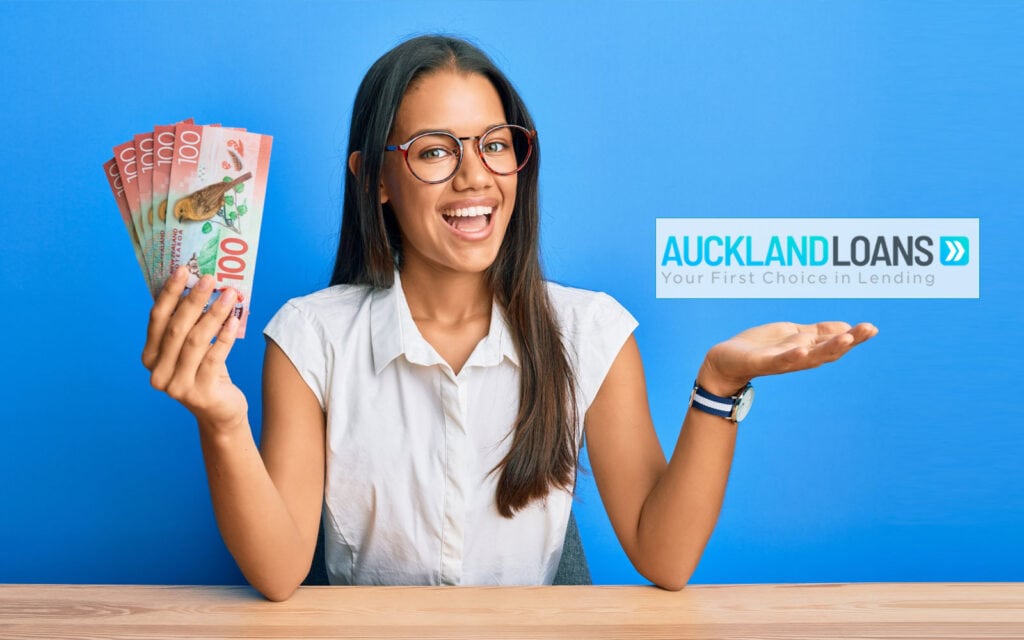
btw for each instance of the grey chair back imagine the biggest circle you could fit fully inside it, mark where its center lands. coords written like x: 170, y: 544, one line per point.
x: 573, y: 567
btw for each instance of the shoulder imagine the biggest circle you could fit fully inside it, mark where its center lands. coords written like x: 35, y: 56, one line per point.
x: 322, y: 312
x: 312, y: 329
x: 579, y: 310
x: 594, y: 327
x: 332, y: 303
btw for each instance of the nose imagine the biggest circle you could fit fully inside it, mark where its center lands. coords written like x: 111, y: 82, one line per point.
x: 472, y: 173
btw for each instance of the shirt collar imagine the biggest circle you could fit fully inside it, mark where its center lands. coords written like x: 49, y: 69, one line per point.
x: 393, y: 333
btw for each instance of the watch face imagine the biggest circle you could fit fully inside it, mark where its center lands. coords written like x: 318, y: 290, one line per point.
x: 744, y: 403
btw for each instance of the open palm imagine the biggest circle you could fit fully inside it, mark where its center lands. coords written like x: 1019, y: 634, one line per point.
x: 780, y: 347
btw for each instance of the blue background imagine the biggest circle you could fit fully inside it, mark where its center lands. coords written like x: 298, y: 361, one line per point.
x: 902, y: 462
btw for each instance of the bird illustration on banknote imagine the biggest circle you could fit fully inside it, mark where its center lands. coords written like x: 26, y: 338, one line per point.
x: 206, y: 202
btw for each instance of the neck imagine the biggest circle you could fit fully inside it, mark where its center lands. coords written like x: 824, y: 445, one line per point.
x: 444, y: 296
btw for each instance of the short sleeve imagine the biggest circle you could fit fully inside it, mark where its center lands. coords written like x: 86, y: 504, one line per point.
x: 302, y: 339
x: 595, y: 326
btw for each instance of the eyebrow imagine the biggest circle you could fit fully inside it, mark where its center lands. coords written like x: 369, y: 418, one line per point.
x: 449, y: 131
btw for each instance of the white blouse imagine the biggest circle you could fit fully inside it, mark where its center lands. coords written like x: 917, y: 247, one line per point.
x: 408, y: 496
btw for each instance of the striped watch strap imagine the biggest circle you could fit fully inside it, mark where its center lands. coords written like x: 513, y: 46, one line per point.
x: 710, y: 403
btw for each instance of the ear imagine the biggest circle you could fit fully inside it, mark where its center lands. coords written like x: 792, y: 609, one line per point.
x: 355, y: 161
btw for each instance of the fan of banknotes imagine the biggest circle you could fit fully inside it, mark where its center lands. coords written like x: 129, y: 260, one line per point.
x: 193, y: 195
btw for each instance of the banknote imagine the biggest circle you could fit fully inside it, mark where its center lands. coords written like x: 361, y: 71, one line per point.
x: 144, y: 157
x: 214, y: 206
x: 162, y: 223
x: 182, y: 130
x: 163, y: 155
x: 128, y: 167
x: 193, y: 195
x: 117, y: 188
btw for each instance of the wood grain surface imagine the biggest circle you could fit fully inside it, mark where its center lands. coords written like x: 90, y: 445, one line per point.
x: 801, y: 611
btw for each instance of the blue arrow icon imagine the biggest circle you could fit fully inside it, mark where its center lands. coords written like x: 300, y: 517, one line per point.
x: 954, y: 250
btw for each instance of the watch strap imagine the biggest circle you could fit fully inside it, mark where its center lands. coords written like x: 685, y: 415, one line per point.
x: 733, y: 408
x: 708, y: 402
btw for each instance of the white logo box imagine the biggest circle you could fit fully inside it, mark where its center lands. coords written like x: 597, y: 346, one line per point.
x: 817, y: 258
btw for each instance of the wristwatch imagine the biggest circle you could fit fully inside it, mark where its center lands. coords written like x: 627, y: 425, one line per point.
x: 734, y: 408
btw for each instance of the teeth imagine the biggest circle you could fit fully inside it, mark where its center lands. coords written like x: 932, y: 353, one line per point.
x: 468, y: 212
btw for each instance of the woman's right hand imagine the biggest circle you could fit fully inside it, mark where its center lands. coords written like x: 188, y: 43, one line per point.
x: 184, y: 360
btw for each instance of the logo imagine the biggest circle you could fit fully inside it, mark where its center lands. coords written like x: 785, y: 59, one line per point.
x: 817, y: 258
x: 955, y: 250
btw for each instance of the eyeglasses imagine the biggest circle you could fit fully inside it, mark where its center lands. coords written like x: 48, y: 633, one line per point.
x: 435, y: 156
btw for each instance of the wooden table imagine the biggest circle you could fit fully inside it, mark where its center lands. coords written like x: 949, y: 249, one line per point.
x: 885, y: 610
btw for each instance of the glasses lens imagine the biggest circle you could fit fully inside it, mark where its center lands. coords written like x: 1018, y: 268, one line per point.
x: 506, y: 149
x: 434, y: 157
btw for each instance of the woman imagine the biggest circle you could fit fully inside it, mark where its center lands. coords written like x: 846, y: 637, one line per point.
x: 429, y: 407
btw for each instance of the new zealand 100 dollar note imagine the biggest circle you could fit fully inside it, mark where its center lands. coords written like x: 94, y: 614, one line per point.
x: 144, y: 158
x: 163, y: 156
x: 214, y: 207
x: 117, y: 189
x: 127, y: 164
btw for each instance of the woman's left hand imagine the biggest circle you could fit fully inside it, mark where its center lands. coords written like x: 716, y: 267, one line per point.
x: 778, y: 347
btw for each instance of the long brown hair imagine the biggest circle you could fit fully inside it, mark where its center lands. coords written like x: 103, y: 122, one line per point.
x: 543, y: 452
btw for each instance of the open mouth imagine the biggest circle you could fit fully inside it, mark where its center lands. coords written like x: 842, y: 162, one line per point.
x: 469, y: 219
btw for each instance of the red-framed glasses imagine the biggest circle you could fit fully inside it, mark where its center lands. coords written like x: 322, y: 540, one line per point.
x: 435, y: 156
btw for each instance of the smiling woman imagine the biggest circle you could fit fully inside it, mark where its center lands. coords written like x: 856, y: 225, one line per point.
x: 428, y: 408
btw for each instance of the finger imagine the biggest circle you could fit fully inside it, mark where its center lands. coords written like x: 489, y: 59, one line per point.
x: 824, y: 349
x: 789, y: 360
x: 863, y: 331
x: 197, y: 344
x: 831, y: 328
x: 833, y: 349
x: 178, y: 328
x: 860, y: 333
x: 160, y: 314
x: 217, y: 354
x: 838, y: 346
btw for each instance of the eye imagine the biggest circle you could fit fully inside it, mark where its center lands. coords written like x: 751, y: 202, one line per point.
x: 496, y: 146
x: 433, y: 154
